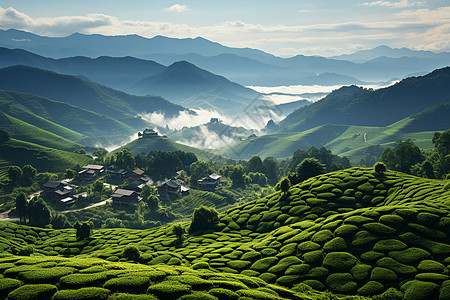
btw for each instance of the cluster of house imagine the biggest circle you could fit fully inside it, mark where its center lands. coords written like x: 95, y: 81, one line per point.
x: 64, y: 192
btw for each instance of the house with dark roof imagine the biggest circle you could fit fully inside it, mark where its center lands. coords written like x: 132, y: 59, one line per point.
x: 116, y: 172
x: 59, y: 191
x: 91, y: 172
x: 173, y: 187
x: 135, y: 174
x: 210, y: 182
x: 125, y: 197
x: 147, y: 133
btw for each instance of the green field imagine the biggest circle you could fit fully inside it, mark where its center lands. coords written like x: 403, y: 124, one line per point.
x: 20, y: 153
x: 160, y: 143
x: 343, y: 140
x: 351, y: 232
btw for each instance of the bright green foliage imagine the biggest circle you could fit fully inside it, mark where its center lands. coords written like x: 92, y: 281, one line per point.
x: 203, y: 219
x: 33, y: 292
x: 89, y: 293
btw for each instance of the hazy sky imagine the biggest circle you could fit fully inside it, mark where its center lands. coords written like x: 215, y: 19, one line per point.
x: 284, y: 27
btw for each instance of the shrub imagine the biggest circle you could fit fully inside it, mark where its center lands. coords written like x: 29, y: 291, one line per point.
x: 88, y: 293
x: 131, y: 253
x: 204, y: 218
x: 379, y: 167
x: 33, y: 292
x: 339, y: 260
x: 169, y: 290
x: 7, y: 285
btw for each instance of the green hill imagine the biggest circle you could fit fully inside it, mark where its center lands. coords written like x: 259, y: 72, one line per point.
x: 351, y: 232
x: 357, y: 106
x: 163, y: 143
x: 26, y: 132
x: 85, y: 94
x: 68, y: 121
x: 44, y: 159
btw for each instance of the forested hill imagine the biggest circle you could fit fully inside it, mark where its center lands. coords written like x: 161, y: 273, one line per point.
x: 83, y: 93
x: 357, y: 106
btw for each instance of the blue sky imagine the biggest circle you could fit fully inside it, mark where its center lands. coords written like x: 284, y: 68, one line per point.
x: 285, y: 27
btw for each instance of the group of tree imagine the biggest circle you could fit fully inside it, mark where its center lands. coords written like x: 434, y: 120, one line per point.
x: 23, y: 176
x: 165, y: 163
x: 330, y: 161
x: 37, y: 212
x: 407, y: 157
x: 122, y: 159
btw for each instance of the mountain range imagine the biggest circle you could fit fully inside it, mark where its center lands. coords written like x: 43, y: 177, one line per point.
x: 351, y: 119
x: 255, y: 67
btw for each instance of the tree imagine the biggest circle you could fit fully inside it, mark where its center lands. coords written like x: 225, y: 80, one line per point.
x: 403, y: 156
x: 285, y: 184
x: 60, y: 221
x: 199, y: 169
x: 22, y: 206
x: 4, y: 136
x: 38, y: 212
x: 98, y: 186
x: 29, y: 173
x: 84, y: 229
x: 131, y: 253
x: 379, y: 167
x: 178, y: 230
x: 153, y: 202
x: 237, y: 176
x: 308, y: 168
x: 255, y: 164
x: 204, y: 218
x: 70, y: 173
x: 14, y: 174
x: 271, y: 169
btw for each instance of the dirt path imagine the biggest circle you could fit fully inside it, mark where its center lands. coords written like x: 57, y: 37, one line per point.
x: 4, y: 216
x: 87, y: 207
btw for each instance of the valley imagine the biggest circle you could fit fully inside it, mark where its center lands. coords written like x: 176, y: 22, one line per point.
x: 181, y: 168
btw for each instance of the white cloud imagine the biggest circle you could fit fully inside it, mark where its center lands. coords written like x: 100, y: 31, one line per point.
x: 178, y: 8
x: 413, y: 28
x: 399, y: 4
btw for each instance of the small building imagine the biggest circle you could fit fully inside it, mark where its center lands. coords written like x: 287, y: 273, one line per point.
x: 58, y: 191
x: 116, y: 172
x: 172, y: 187
x: 147, y: 133
x: 135, y: 174
x: 91, y: 172
x: 210, y: 182
x: 125, y: 197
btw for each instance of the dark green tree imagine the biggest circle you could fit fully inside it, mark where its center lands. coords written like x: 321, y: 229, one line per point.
x: 255, y: 164
x: 60, y: 221
x: 178, y: 230
x: 237, y: 176
x: 84, y: 229
x: 70, y: 173
x: 153, y: 202
x: 131, y: 253
x: 39, y: 212
x: 308, y: 168
x: 4, y: 136
x: 403, y: 156
x: 285, y: 184
x: 379, y: 167
x: 204, y: 218
x: 14, y: 174
x: 271, y: 169
x: 22, y: 206
x: 29, y: 173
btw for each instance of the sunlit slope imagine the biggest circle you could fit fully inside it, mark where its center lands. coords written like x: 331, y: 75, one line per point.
x: 162, y: 143
x: 350, y: 232
x: 20, y: 153
x: 340, y: 139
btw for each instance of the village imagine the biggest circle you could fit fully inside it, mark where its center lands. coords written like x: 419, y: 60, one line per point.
x: 126, y: 184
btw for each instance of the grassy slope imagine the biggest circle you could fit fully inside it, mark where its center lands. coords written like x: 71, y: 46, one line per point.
x: 26, y: 132
x: 340, y: 139
x: 350, y: 231
x: 160, y: 143
x: 21, y: 153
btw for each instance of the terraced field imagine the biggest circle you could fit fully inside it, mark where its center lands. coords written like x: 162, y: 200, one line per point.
x: 351, y: 232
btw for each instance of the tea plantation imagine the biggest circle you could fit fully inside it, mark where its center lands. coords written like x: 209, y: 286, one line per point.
x: 351, y: 232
